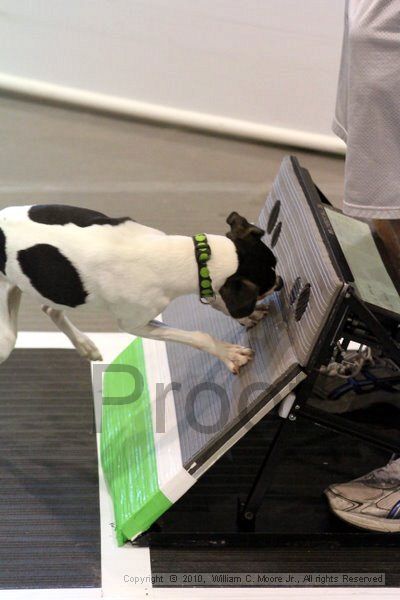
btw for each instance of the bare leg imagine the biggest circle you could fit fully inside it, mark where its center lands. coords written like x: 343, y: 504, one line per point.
x: 82, y: 343
x: 10, y: 297
x: 389, y: 232
x: 232, y: 355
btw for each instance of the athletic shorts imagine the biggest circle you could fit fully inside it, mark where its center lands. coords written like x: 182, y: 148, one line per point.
x: 367, y: 113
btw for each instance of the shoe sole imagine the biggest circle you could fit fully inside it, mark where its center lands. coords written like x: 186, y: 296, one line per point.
x: 371, y: 523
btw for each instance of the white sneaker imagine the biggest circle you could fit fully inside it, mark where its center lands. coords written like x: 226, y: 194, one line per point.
x: 372, y: 501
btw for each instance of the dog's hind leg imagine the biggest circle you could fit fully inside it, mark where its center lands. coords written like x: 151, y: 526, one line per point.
x: 10, y: 298
x: 82, y: 343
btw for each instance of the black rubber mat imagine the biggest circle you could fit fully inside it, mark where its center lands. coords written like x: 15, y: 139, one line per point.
x: 301, y: 534
x: 49, y: 505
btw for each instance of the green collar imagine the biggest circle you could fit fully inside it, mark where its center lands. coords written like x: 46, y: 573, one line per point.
x: 203, y: 254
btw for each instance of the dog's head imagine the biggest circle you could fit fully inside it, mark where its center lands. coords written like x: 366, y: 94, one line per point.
x: 255, y: 276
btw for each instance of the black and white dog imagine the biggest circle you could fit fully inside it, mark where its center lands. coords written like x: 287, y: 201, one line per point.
x: 68, y: 256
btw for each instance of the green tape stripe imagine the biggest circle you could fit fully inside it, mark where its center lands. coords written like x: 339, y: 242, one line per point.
x: 127, y: 447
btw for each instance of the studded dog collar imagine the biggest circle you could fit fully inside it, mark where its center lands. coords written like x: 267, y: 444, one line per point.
x: 203, y: 254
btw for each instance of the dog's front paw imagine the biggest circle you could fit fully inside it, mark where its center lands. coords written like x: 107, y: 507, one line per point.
x: 255, y: 317
x: 87, y: 349
x: 235, y: 356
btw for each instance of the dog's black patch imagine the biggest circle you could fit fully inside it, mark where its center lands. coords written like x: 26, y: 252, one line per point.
x: 255, y: 274
x: 52, y: 274
x: 240, y: 296
x: 256, y: 261
x: 3, y: 253
x: 61, y: 214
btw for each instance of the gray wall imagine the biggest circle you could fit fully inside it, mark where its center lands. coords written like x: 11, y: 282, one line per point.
x: 267, y: 62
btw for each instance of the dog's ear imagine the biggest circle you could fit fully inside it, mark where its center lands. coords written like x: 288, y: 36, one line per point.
x: 240, y: 296
x: 241, y: 229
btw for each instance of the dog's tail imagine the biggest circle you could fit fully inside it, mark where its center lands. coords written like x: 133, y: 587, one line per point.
x: 10, y: 298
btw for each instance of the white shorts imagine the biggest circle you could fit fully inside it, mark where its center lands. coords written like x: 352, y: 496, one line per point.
x: 367, y: 114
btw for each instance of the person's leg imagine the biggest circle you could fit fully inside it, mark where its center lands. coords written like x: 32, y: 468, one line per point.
x: 367, y: 118
x: 373, y: 500
x: 388, y: 231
